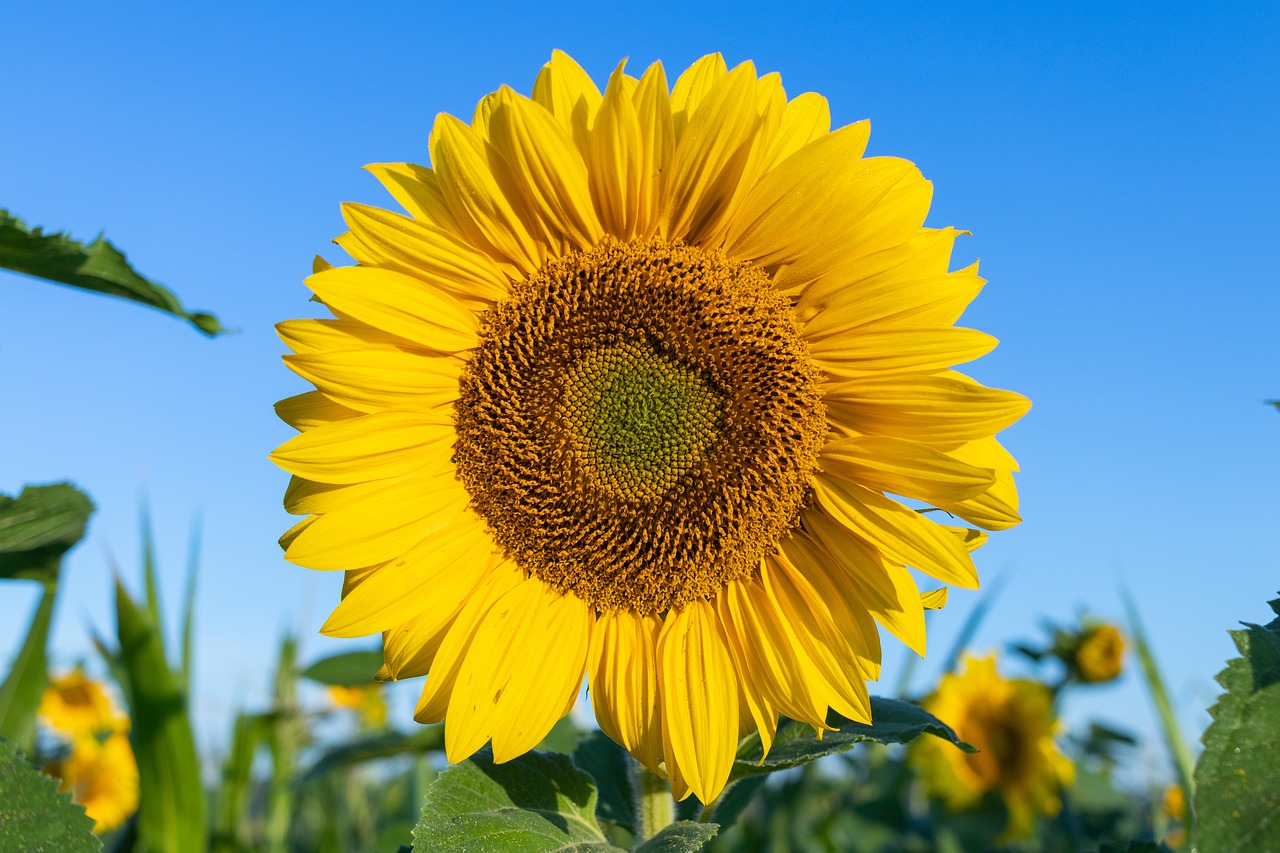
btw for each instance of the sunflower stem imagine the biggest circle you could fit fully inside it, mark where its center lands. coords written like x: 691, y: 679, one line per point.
x: 654, y: 807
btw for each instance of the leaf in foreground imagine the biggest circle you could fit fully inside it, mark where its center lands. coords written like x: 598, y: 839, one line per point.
x: 1237, y: 798
x: 38, y: 527
x: 348, y: 669
x: 680, y: 837
x: 537, y: 803
x: 35, y: 818
x: 895, y: 722
x: 99, y: 267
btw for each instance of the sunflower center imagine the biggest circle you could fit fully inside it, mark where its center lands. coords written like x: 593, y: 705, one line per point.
x: 639, y: 423
x: 638, y: 420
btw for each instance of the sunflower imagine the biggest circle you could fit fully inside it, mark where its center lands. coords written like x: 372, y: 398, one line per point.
x: 75, y: 705
x: 1098, y: 655
x: 628, y: 393
x: 1012, y: 724
x: 102, y: 775
x: 364, y: 700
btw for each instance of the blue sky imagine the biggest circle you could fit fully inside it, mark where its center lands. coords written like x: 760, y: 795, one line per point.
x: 1115, y: 164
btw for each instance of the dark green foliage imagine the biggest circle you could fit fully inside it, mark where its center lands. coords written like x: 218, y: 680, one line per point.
x: 34, y: 817
x: 349, y: 669
x: 1237, y: 799
x: 99, y: 267
x: 680, y: 837
x: 537, y: 803
x: 38, y: 527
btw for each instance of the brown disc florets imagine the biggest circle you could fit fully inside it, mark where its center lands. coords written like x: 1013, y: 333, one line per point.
x: 639, y: 423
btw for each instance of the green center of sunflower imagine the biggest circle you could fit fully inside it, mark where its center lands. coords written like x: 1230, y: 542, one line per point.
x: 638, y: 420
x: 639, y: 423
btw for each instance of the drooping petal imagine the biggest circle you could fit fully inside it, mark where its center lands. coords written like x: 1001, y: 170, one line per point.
x: 312, y: 409
x: 524, y: 665
x: 699, y: 696
x: 622, y: 671
x: 845, y: 601
x: 756, y: 711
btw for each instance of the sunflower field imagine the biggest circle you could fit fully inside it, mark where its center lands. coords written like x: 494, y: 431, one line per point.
x: 636, y: 424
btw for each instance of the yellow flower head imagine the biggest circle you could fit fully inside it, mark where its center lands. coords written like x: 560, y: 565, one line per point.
x: 366, y: 701
x: 102, y: 776
x: 626, y: 393
x: 75, y: 705
x: 1011, y: 722
x: 1099, y: 654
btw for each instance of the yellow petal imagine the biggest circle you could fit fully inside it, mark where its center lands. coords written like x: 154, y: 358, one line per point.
x: 844, y: 601
x: 657, y: 145
x: 929, y: 409
x: 756, y: 711
x: 380, y: 525
x: 805, y: 119
x: 995, y: 509
x: 985, y: 453
x: 691, y: 89
x: 526, y: 659
x: 934, y: 599
x: 312, y: 409
x: 711, y: 157
x: 614, y: 156
x: 903, y: 468
x: 768, y: 650
x: 311, y: 336
x: 452, y: 651
x: 569, y: 94
x: 903, y: 535
x: 439, y: 257
x: 549, y: 172
x: 699, y: 701
x: 290, y: 536
x: 371, y: 447
x: 428, y: 582
x: 418, y: 190
x: 885, y: 589
x: 818, y: 645
x: 622, y: 671
x: 305, y: 497
x: 475, y: 184
x: 400, y: 304
x: 899, y: 349
x: 835, y: 307
x: 372, y: 380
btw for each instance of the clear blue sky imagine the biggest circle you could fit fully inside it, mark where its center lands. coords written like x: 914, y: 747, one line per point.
x: 1116, y: 164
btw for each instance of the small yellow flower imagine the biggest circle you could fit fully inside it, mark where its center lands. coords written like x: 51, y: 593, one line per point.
x: 102, y: 776
x: 1099, y: 656
x: 1011, y: 722
x: 75, y: 705
x: 365, y: 700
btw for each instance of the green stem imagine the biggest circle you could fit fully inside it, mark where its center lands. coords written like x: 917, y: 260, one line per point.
x: 655, y: 809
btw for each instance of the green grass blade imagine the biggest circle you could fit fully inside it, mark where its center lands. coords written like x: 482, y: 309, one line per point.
x: 172, y: 814
x: 1179, y: 752
x: 231, y: 821
x: 28, y: 676
x: 285, y: 740
x: 189, y: 602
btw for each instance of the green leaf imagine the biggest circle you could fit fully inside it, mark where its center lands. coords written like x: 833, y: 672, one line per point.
x: 38, y: 527
x: 1237, y: 797
x: 895, y: 722
x: 735, y: 799
x: 537, y: 803
x: 610, y: 767
x: 349, y: 669
x: 234, y: 788
x: 99, y: 267
x: 28, y: 676
x: 35, y: 818
x: 1134, y: 847
x: 680, y: 837
x: 172, y: 816
x: 374, y: 747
